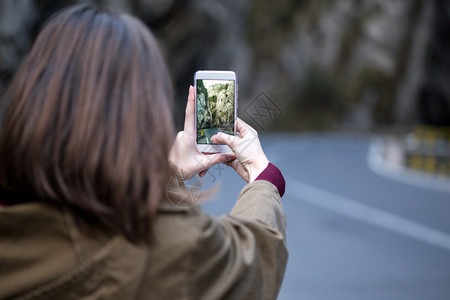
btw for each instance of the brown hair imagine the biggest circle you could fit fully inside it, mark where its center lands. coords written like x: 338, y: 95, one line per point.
x: 87, y: 121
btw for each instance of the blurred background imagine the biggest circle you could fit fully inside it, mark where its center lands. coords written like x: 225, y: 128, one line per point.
x: 352, y: 100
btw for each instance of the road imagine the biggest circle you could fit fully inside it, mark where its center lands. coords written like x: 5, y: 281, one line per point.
x: 208, y: 133
x: 355, y: 230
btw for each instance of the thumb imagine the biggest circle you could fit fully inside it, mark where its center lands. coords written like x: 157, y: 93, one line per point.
x: 217, y: 158
x: 223, y: 138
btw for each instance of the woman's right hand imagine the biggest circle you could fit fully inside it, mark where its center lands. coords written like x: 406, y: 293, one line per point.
x: 250, y: 158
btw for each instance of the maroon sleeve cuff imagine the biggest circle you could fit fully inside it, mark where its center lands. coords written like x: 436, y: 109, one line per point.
x: 273, y: 175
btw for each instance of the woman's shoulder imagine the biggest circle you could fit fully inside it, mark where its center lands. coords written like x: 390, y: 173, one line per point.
x: 36, y: 244
x: 187, y: 221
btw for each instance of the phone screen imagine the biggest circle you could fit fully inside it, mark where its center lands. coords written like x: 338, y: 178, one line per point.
x: 215, y: 108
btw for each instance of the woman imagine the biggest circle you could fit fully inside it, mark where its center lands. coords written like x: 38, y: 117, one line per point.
x: 86, y: 156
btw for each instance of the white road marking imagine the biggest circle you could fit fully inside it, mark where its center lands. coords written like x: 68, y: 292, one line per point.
x: 364, y: 213
x: 399, y: 173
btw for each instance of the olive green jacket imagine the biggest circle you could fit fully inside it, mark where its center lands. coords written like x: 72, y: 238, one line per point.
x: 44, y: 255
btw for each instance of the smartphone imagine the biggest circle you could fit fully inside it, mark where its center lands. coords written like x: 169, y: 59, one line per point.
x: 216, y: 94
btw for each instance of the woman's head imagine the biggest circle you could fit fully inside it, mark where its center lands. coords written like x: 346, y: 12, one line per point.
x: 86, y: 120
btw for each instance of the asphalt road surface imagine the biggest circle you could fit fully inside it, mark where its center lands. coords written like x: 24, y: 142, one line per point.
x: 208, y: 134
x: 356, y: 228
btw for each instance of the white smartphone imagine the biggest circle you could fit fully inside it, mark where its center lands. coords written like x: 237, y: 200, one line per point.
x: 216, y: 94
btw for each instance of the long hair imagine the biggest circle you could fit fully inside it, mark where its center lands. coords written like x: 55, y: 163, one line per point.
x: 87, y: 121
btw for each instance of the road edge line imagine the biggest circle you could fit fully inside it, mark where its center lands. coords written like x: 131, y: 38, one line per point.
x: 364, y: 213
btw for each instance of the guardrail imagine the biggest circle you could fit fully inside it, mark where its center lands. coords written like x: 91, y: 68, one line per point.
x: 428, y: 149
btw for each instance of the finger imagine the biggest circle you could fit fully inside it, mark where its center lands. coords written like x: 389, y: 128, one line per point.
x: 227, y: 157
x: 236, y: 165
x: 223, y: 138
x: 244, y: 128
x: 189, y: 123
x: 210, y: 160
x: 240, y: 127
x: 203, y: 173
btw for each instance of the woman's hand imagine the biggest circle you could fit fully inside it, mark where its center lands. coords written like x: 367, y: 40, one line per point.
x: 184, y: 153
x: 251, y: 160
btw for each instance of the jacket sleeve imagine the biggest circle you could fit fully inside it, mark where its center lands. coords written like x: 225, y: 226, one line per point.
x: 242, y: 255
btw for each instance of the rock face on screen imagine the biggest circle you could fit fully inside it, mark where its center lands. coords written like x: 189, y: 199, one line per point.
x: 218, y: 110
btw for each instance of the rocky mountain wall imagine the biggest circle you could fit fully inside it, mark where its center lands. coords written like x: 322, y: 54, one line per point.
x: 334, y: 64
x: 218, y: 112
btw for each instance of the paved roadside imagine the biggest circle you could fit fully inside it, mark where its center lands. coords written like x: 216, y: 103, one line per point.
x: 352, y: 232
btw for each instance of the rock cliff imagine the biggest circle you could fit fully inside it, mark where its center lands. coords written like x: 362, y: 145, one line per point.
x: 327, y: 64
x: 219, y: 111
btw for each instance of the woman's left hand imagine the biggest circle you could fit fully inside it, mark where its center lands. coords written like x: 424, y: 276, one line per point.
x: 185, y: 154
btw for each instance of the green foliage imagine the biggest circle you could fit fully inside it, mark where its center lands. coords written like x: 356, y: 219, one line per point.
x: 201, y: 88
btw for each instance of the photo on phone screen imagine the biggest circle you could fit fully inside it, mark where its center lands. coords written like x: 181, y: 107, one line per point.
x: 215, y: 108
